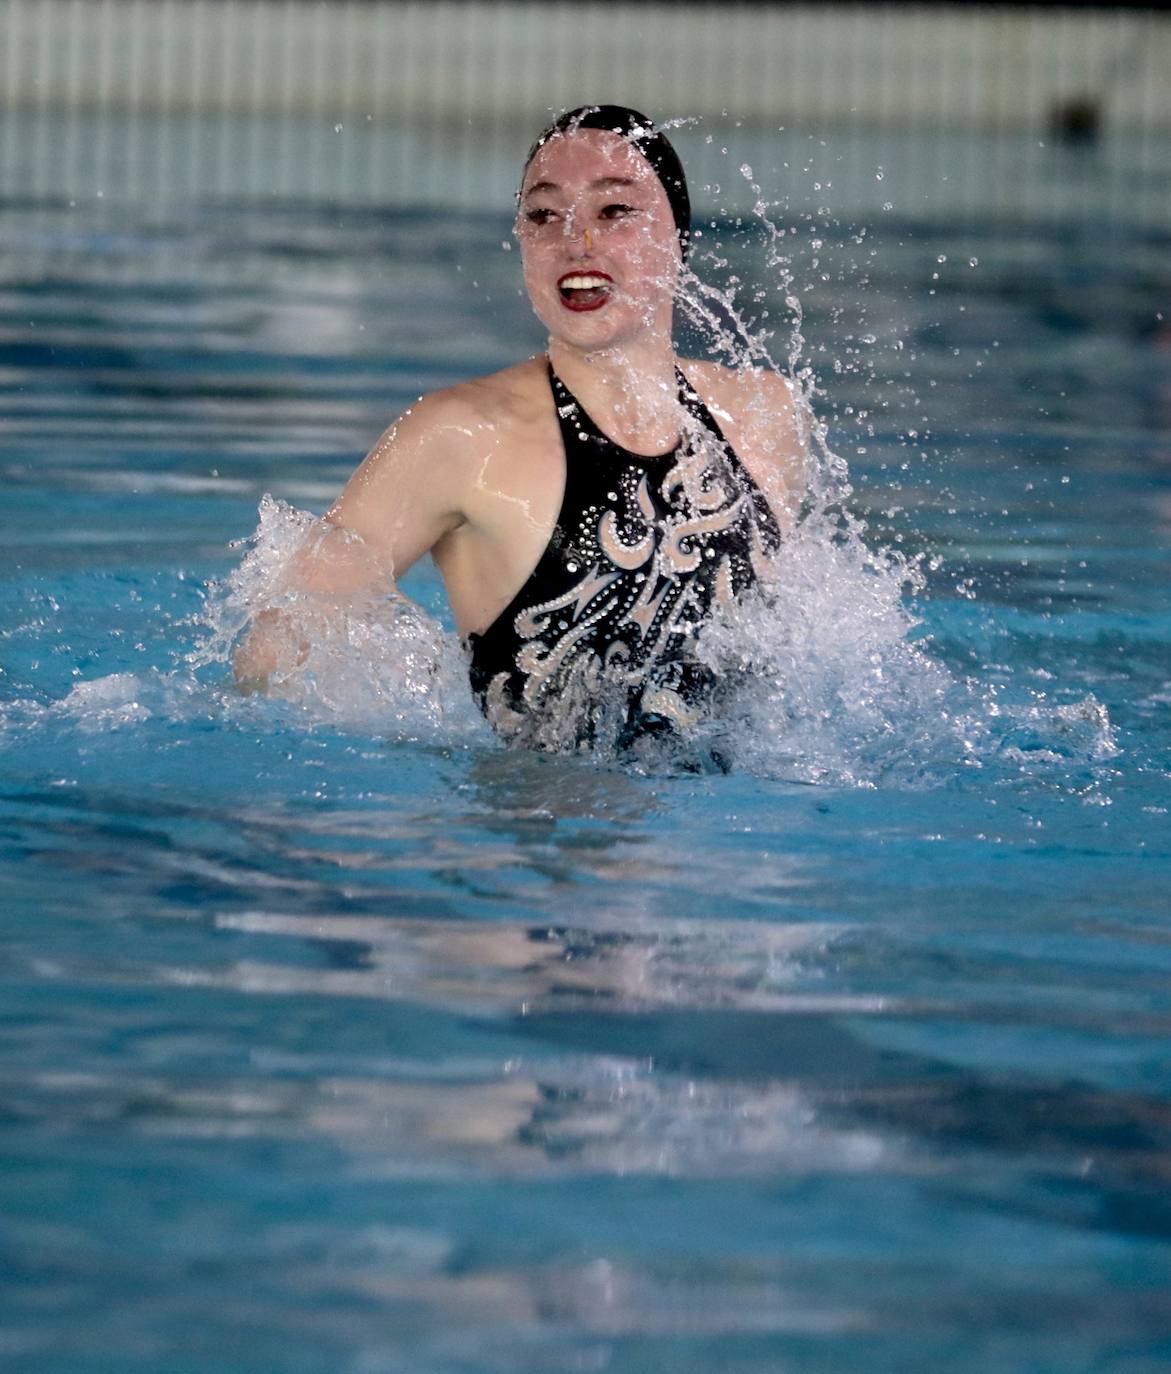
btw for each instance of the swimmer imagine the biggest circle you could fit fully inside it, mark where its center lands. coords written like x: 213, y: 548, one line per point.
x: 590, y: 508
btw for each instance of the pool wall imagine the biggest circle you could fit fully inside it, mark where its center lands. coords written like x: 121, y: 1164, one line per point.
x: 938, y: 110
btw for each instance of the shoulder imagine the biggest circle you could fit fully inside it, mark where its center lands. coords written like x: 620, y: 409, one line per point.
x: 432, y: 463
x: 743, y: 392
x: 764, y: 418
x: 760, y: 410
x: 464, y: 419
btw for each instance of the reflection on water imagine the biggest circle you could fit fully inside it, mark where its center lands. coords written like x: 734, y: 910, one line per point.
x: 527, y: 1114
x: 679, y: 1048
x: 534, y: 1119
x: 485, y: 967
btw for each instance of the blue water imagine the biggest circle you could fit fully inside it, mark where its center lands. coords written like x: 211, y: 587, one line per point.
x: 345, y: 1040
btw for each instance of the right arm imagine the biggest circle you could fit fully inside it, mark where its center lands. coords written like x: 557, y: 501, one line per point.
x: 405, y: 497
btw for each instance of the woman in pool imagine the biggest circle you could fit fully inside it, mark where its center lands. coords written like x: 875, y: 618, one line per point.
x: 590, y: 508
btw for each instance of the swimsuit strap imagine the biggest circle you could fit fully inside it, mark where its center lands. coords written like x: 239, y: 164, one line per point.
x: 571, y: 413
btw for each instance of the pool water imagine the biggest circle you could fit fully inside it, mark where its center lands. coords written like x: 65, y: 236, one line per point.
x: 337, y: 1037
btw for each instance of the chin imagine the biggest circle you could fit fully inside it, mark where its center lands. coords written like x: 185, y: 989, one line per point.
x: 595, y: 330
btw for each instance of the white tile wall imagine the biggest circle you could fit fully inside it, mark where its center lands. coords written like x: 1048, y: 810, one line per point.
x: 403, y: 101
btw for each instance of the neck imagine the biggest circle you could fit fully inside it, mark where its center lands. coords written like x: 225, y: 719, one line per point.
x: 629, y: 390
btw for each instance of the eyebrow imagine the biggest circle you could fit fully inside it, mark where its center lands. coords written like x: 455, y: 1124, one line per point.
x: 602, y: 184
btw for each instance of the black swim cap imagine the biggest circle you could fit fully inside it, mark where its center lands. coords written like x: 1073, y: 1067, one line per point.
x: 644, y: 138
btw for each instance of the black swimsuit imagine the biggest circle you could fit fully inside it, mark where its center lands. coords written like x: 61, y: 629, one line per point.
x: 598, y: 644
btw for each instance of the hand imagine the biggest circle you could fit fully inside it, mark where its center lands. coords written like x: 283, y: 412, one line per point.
x: 273, y: 646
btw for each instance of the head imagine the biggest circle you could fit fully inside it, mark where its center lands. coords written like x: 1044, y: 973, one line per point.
x: 604, y: 223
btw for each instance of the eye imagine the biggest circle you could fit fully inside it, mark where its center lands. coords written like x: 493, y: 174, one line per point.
x: 540, y: 215
x: 617, y: 211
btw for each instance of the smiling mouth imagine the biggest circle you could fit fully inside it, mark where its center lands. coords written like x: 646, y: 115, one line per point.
x: 585, y: 290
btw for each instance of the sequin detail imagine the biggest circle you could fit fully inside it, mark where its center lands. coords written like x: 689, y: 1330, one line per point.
x: 599, y: 643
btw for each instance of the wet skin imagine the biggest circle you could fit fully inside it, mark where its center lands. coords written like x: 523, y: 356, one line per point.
x: 474, y: 474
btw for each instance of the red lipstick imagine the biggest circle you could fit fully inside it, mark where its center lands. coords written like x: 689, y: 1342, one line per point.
x: 584, y: 289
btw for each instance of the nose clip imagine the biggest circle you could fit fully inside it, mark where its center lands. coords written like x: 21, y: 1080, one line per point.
x: 588, y: 239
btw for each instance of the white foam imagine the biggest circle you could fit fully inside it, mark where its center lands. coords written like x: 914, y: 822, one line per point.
x: 383, y: 666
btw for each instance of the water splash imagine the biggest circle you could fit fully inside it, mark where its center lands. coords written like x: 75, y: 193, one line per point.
x: 833, y: 677
x: 828, y: 678
x: 378, y: 663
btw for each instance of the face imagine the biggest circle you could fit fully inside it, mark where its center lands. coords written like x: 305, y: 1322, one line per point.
x: 600, y: 252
